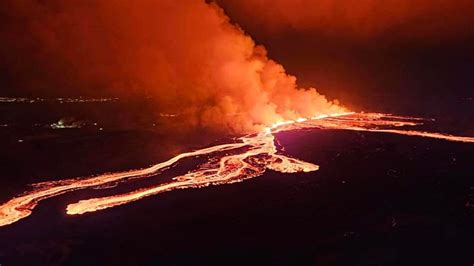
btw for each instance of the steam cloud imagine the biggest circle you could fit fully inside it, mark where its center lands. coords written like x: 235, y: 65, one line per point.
x: 186, y: 54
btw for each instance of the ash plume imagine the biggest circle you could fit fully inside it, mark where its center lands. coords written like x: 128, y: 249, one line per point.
x: 185, y: 54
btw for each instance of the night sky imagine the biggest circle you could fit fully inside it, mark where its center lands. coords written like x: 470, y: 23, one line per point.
x: 419, y: 63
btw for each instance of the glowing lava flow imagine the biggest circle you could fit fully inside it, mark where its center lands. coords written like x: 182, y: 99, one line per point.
x: 229, y: 169
x: 243, y: 160
x: 21, y: 206
x: 375, y: 122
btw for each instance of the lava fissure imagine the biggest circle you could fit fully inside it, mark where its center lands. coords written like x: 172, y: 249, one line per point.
x: 248, y: 158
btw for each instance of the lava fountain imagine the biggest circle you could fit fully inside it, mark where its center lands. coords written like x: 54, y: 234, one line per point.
x: 250, y: 157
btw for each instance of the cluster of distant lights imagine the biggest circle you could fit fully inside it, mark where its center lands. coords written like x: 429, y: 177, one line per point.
x: 57, y: 100
x: 62, y: 124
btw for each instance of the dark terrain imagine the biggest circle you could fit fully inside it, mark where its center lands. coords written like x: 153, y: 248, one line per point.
x: 378, y: 199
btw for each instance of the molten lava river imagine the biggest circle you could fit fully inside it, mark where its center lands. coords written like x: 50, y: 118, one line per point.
x: 246, y: 158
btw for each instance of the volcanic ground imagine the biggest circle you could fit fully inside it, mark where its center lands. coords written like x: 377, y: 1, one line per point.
x: 377, y: 199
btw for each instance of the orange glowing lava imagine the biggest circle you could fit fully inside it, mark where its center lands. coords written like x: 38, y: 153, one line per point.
x: 248, y: 158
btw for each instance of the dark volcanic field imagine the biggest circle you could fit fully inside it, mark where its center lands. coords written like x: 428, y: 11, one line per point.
x: 378, y: 199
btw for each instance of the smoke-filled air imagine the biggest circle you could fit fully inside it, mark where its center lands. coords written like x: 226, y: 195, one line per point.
x: 422, y: 20
x: 186, y: 55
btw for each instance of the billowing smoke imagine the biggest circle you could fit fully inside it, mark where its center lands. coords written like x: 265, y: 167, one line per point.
x: 423, y: 20
x: 185, y: 54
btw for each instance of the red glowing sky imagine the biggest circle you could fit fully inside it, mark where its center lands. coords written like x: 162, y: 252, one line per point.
x: 189, y: 56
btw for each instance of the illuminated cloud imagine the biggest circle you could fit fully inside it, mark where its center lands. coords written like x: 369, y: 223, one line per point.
x: 185, y: 54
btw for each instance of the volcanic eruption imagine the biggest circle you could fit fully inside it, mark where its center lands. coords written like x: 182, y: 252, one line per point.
x: 192, y: 61
x: 186, y: 55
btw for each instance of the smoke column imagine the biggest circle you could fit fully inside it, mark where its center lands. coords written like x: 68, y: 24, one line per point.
x: 185, y: 54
